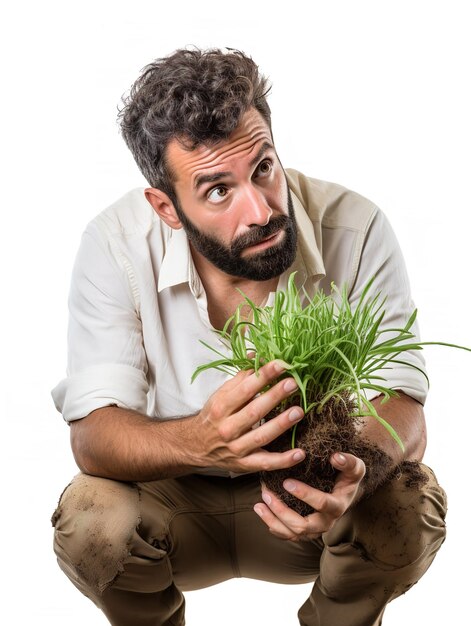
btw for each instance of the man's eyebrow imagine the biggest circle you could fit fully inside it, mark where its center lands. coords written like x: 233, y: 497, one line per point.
x: 266, y: 145
x: 209, y: 178
x: 201, y: 179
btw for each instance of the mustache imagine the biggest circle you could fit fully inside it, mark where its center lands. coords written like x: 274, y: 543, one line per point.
x: 258, y: 233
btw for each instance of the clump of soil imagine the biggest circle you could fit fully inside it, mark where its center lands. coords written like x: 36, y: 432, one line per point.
x: 415, y: 477
x: 321, y: 434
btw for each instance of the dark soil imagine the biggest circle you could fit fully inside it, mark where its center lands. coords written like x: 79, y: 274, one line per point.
x: 320, y: 435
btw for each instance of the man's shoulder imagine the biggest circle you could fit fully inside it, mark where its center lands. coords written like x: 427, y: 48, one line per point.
x: 128, y: 216
x: 330, y: 204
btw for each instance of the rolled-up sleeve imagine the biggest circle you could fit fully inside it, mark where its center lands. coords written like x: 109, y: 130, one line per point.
x: 106, y: 358
x: 382, y: 258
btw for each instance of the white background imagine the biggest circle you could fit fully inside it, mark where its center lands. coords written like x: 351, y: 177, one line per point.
x: 371, y: 94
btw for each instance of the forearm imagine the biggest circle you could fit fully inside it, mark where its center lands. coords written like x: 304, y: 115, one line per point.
x: 125, y: 445
x: 406, y: 416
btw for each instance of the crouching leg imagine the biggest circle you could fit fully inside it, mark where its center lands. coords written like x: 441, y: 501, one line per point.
x: 376, y: 552
x: 98, y: 546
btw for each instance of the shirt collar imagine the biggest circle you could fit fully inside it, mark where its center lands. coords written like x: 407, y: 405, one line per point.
x: 178, y: 267
x: 308, y: 264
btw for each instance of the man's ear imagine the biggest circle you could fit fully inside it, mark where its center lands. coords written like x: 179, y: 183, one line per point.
x: 163, y: 206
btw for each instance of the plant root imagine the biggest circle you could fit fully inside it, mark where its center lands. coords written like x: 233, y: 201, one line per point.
x: 322, y: 433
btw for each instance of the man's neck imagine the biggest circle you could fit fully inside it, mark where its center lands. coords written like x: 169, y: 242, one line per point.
x: 222, y: 290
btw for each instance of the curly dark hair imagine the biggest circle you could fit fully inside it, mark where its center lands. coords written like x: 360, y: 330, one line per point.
x: 197, y: 96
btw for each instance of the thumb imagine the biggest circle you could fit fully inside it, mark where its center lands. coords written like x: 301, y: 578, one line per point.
x: 351, y: 467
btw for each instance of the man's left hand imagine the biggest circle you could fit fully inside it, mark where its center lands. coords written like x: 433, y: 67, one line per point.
x: 329, y: 507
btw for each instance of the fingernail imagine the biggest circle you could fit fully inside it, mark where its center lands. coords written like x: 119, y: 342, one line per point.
x: 295, y: 415
x: 298, y: 456
x: 290, y: 385
x: 266, y: 498
x: 279, y: 366
x: 289, y: 485
x: 339, y: 457
x: 258, y: 510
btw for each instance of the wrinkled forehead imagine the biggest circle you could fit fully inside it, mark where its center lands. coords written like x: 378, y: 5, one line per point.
x: 186, y: 164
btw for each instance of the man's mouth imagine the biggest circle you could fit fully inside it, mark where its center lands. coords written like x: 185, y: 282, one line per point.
x: 267, y: 242
x: 260, y: 237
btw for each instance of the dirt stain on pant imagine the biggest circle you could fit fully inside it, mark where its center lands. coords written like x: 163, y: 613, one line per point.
x: 94, y: 525
x: 400, y: 532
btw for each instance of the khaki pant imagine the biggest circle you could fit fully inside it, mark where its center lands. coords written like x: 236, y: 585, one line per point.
x: 133, y: 548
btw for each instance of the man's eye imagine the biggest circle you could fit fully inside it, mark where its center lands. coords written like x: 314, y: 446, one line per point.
x: 265, y: 167
x: 217, y: 194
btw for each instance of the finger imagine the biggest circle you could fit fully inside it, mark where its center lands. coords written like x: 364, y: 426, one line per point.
x: 235, y: 381
x: 288, y: 524
x: 236, y: 392
x: 244, y: 419
x: 261, y: 436
x: 307, y: 527
x: 327, y: 506
x: 274, y: 524
x: 264, y: 461
x: 310, y: 526
x: 351, y: 472
x: 332, y: 505
x: 245, y: 388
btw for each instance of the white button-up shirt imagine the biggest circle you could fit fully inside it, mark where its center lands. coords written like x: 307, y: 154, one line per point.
x: 138, y: 309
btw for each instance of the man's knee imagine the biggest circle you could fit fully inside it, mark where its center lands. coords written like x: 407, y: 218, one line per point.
x: 94, y: 524
x: 385, y: 543
x: 404, y: 521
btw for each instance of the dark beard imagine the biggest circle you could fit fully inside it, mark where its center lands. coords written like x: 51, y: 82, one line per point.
x: 263, y: 265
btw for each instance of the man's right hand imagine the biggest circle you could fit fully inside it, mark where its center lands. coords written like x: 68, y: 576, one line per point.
x: 225, y: 432
x: 123, y: 444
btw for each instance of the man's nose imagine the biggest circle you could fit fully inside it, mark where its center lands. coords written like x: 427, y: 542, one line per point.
x: 257, y: 210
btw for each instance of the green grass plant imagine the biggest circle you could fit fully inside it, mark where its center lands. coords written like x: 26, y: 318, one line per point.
x: 332, y: 350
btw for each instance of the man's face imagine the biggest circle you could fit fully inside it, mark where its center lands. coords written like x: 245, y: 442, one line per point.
x: 234, y: 202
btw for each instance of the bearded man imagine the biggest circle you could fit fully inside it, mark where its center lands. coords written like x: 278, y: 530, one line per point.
x: 168, y: 498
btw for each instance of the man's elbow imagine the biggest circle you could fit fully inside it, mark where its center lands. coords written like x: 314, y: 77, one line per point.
x: 80, y: 444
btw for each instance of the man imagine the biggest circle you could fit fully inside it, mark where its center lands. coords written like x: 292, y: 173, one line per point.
x: 168, y: 498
